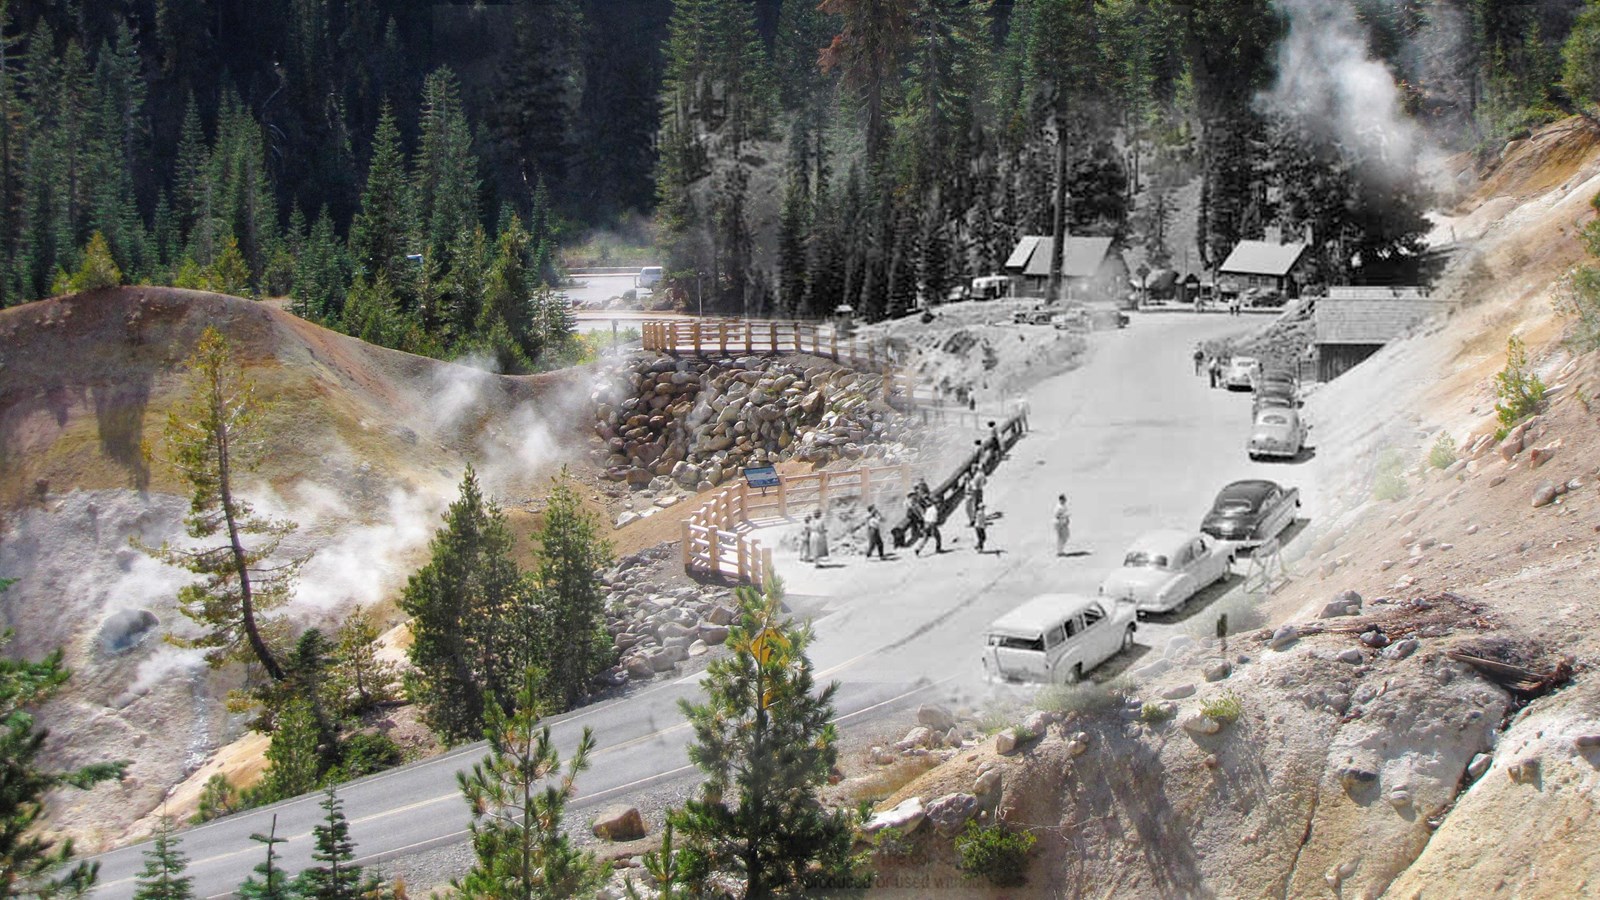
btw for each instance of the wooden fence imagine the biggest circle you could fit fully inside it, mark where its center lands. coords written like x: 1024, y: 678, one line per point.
x: 717, y: 539
x: 752, y: 337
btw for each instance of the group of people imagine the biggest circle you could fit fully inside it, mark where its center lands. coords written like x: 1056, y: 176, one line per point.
x: 814, y: 539
x: 1211, y: 365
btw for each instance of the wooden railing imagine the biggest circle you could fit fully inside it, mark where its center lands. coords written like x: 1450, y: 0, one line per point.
x: 716, y: 537
x: 753, y: 337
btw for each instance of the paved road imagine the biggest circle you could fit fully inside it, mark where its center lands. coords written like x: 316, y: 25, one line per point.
x: 1134, y: 438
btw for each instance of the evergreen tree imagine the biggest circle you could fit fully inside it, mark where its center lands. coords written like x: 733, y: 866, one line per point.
x: 275, y: 884
x: 518, y: 796
x: 296, y: 752
x: 765, y: 746
x: 379, y: 234
x: 210, y: 438
x: 459, y: 603
x: 321, y: 274
x: 571, y: 555
x: 1580, y: 57
x: 867, y: 50
x: 370, y: 313
x: 541, y: 91
x: 335, y: 877
x: 468, y: 259
x: 507, y: 293
x: 98, y: 270
x: 360, y: 680
x: 164, y: 865
x: 445, y: 186
x: 32, y: 863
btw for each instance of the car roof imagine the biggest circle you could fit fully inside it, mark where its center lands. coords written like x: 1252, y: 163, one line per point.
x: 1166, y: 541
x: 1032, y: 618
x: 1254, y: 488
x: 1287, y: 411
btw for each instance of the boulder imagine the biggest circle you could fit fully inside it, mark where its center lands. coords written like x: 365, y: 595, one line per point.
x: 619, y: 823
x: 1545, y: 494
x: 1352, y: 656
x: 920, y: 736
x: 126, y: 629
x: 950, y: 813
x: 698, y: 648
x: 905, y: 818
x: 1346, y: 603
x: 1199, y: 723
x: 1178, y: 692
x: 935, y: 716
x: 1006, y: 741
x: 638, y: 667
x: 719, y: 615
x: 1218, y: 671
x: 988, y: 784
x: 1283, y: 637
x: 1037, y: 722
x: 713, y: 634
x: 1538, y: 456
x: 1400, y: 649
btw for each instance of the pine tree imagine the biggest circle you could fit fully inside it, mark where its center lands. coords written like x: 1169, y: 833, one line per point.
x: 518, y: 796
x: 275, y: 884
x: 336, y: 877
x: 189, y: 172
x: 164, y: 865
x: 445, y: 185
x: 765, y: 745
x: 468, y: 259
x: 295, y: 754
x: 459, y: 603
x: 361, y: 681
x: 507, y: 291
x: 380, y: 232
x: 570, y: 556
x: 33, y: 863
x: 210, y: 436
x: 321, y: 274
x: 230, y: 273
x: 98, y: 270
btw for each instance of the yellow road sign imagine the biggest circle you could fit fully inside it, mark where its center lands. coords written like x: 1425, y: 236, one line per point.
x: 765, y: 644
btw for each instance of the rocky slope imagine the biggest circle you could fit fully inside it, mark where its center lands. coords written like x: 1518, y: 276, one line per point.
x: 1369, y: 757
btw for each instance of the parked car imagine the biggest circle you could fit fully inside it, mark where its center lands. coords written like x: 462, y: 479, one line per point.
x: 1163, y: 569
x: 1039, y: 316
x: 1278, y: 433
x: 1250, y: 512
x: 1241, y: 373
x: 990, y: 287
x: 1274, y: 394
x: 649, y: 277
x: 1057, y: 638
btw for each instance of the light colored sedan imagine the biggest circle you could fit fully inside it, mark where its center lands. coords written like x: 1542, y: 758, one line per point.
x: 1278, y: 433
x: 1241, y: 373
x: 1163, y: 569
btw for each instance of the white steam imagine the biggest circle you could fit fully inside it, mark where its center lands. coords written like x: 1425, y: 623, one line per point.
x: 1327, y: 79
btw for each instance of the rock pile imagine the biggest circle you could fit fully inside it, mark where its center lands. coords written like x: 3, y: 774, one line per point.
x: 656, y: 629
x: 697, y: 422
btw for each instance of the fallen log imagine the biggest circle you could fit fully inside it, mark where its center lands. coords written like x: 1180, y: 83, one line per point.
x: 1517, y: 678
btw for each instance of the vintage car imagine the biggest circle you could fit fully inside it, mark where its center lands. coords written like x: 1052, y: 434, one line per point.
x: 1163, y: 569
x: 1274, y: 393
x: 1240, y: 375
x: 1251, y: 512
x: 1057, y: 638
x: 1278, y: 433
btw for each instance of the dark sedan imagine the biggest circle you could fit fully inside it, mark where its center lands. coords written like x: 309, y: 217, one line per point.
x: 1250, y: 512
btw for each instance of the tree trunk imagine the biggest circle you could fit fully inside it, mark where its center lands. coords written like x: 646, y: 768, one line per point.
x: 1059, y: 229
x: 236, y: 547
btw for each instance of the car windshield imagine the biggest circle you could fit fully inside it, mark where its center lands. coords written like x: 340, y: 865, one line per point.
x: 1235, y: 505
x: 1274, y: 420
x: 1139, y: 559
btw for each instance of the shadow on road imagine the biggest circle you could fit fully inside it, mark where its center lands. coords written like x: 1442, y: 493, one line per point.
x: 1121, y: 663
x: 1073, y: 554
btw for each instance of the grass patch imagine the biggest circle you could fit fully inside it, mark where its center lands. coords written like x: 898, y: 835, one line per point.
x: 1155, y: 711
x: 885, y: 781
x: 1390, y: 483
x: 1442, y: 455
x: 1225, y: 707
x: 995, y: 852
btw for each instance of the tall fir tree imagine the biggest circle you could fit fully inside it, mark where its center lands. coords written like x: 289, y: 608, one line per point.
x: 163, y: 875
x: 571, y: 555
x: 334, y: 876
x: 518, y: 795
x: 275, y: 883
x: 380, y: 232
x: 763, y: 741
x: 445, y: 183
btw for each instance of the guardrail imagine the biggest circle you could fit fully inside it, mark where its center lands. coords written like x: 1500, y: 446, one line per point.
x: 716, y: 537
x: 752, y: 337
x: 949, y: 494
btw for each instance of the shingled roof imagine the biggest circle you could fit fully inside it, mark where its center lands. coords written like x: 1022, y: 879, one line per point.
x: 1262, y: 258
x: 1081, y: 257
x: 1372, y: 315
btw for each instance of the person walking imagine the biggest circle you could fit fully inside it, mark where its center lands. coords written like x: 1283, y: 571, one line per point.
x: 1063, y: 519
x: 1199, y: 358
x: 1216, y: 371
x: 819, y: 541
x: 980, y: 522
x: 930, y: 526
x: 874, y: 532
x: 805, y: 539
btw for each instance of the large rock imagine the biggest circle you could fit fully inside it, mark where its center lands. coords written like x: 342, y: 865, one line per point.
x: 1283, y: 637
x: 1545, y: 494
x: 905, y: 818
x: 935, y: 716
x: 1199, y: 723
x: 950, y: 813
x: 619, y: 823
x: 126, y: 629
x: 1347, y: 603
x: 1005, y: 741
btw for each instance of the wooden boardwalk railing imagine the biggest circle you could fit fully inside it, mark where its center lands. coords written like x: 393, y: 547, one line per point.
x: 717, y: 539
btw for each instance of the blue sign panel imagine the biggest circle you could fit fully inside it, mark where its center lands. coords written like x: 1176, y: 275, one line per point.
x: 761, y: 476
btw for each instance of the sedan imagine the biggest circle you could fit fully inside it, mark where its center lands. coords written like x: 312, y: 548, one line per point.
x: 1241, y: 373
x: 1278, y: 433
x: 1163, y: 569
x: 1251, y: 512
x: 1275, y: 393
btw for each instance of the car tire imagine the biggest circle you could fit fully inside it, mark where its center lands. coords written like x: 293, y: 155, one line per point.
x: 1073, y: 675
x: 1127, y: 639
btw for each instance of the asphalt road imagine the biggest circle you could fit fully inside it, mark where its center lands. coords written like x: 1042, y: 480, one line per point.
x: 1134, y: 438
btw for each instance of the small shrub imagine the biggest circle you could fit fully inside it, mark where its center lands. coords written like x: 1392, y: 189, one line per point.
x: 892, y: 842
x: 1155, y: 712
x: 1070, y: 699
x: 218, y: 798
x: 1225, y: 707
x: 1521, y: 392
x: 366, y: 753
x: 1443, y: 453
x: 994, y: 852
x: 1390, y: 483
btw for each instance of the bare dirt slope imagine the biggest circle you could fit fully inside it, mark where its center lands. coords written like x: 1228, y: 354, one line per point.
x: 1386, y: 766
x: 363, y: 447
